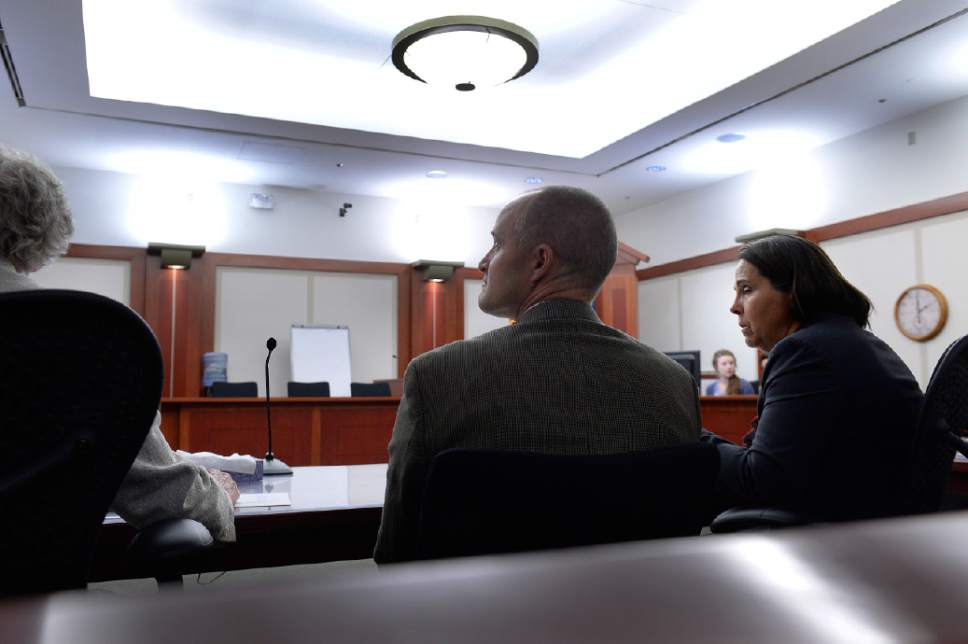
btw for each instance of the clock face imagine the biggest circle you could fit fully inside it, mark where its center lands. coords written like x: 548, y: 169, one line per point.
x: 921, y: 312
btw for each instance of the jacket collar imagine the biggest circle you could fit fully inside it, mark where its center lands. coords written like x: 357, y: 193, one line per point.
x: 559, y: 310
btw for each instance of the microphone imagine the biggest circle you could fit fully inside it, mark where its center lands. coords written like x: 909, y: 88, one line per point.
x: 272, y: 464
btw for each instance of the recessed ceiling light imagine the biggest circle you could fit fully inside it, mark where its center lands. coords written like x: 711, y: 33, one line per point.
x: 534, y: 180
x: 656, y: 168
x: 730, y: 137
x: 761, y: 148
x: 437, y: 174
x: 464, y: 52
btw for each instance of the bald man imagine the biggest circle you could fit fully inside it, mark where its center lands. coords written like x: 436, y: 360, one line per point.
x: 557, y: 382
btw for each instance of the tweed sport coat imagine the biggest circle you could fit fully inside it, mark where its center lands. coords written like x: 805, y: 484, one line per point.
x: 558, y: 382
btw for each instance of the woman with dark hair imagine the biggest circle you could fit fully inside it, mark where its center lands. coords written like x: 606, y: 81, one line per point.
x: 728, y: 383
x: 837, y: 409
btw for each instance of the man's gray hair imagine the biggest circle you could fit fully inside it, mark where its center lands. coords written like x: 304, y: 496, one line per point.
x: 35, y: 220
x: 577, y: 226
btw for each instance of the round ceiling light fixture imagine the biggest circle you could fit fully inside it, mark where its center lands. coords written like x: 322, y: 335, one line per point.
x: 465, y: 52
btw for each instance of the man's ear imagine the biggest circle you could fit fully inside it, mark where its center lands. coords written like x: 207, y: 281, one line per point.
x: 542, y: 261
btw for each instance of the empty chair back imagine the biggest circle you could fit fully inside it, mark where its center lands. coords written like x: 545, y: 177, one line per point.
x: 493, y: 501
x: 308, y: 389
x: 944, y: 416
x: 79, y: 389
x: 369, y: 389
x: 234, y: 390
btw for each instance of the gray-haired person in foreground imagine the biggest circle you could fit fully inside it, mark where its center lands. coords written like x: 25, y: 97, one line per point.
x: 558, y: 381
x: 35, y: 227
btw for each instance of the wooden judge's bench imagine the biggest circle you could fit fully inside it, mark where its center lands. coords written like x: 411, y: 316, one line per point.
x: 355, y: 431
x: 342, y: 431
x: 305, y: 431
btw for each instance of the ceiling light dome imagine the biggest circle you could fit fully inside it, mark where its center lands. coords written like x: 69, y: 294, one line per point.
x: 465, y: 52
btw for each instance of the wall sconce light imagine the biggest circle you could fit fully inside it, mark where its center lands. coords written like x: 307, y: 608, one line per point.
x: 174, y: 255
x: 434, y: 271
x: 750, y: 237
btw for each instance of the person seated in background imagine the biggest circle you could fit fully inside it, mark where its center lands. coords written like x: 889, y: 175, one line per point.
x: 838, y: 408
x: 728, y: 384
x: 559, y: 381
x: 35, y: 227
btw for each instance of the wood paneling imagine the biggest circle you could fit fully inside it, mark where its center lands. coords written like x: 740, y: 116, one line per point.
x: 305, y: 431
x: 158, y: 312
x: 240, y: 428
x: 886, y: 219
x: 136, y: 257
x: 730, y: 417
x: 617, y: 301
x: 437, y: 313
x: 690, y: 263
x: 195, y: 310
x: 356, y: 435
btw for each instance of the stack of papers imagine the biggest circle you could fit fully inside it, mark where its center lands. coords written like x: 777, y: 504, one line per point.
x: 240, y: 467
x: 266, y: 499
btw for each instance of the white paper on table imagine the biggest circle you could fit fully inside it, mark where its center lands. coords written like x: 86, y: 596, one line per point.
x: 263, y: 500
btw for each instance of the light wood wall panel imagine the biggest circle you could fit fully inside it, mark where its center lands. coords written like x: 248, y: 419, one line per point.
x: 945, y: 264
x: 108, y: 277
x: 659, y: 325
x: 253, y: 304
x: 367, y: 304
x: 881, y: 264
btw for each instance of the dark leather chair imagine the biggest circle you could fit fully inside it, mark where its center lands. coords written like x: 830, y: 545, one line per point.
x: 234, y: 390
x: 942, y: 426
x: 308, y: 389
x: 79, y: 388
x: 167, y: 549
x: 492, y: 501
x: 369, y: 389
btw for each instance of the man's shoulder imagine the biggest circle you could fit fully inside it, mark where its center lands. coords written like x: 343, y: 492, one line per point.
x: 460, y: 348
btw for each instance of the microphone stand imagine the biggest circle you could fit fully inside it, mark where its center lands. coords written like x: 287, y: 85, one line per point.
x: 272, y: 466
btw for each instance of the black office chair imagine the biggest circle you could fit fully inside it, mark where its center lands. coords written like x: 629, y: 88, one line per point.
x: 942, y: 425
x: 491, y: 501
x: 234, y: 390
x: 79, y: 388
x: 369, y: 389
x: 168, y: 549
x: 308, y: 389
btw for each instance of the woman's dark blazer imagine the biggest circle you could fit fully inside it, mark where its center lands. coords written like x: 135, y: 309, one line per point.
x: 836, y: 417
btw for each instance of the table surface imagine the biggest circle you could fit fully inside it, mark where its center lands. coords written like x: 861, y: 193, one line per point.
x: 881, y: 581
x: 335, y: 515
x: 314, y: 489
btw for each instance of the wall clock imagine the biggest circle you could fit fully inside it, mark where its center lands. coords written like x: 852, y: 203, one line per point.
x: 921, y: 312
